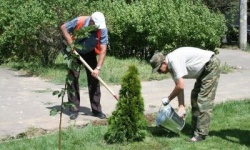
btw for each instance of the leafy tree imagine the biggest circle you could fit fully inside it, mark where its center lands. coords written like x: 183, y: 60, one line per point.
x: 127, y: 122
x: 231, y: 10
x: 221, y: 5
x: 30, y: 30
x: 70, y: 58
x: 140, y: 27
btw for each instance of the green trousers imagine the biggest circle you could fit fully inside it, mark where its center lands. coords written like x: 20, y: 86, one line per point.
x: 203, y: 95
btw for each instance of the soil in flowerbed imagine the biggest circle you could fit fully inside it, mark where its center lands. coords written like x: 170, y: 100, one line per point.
x: 149, y: 117
x: 34, y: 132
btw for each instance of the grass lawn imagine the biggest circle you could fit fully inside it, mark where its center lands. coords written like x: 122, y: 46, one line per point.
x: 230, y: 130
x: 112, y: 70
x: 230, y: 127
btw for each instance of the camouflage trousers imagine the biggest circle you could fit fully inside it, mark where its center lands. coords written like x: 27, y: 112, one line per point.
x: 203, y: 95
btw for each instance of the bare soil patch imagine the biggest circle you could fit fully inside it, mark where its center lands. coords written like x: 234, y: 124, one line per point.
x: 35, y: 132
x: 149, y: 117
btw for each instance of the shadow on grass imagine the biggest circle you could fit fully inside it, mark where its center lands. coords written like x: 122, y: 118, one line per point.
x: 187, y: 130
x: 161, y: 132
x: 242, y: 136
x: 164, y: 132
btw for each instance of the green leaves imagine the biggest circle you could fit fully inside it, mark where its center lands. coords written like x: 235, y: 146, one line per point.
x: 64, y: 105
x: 55, y: 93
x: 53, y: 112
x: 68, y: 104
x: 84, y: 32
x: 139, y: 28
x: 30, y: 30
x: 59, y: 93
x: 127, y: 122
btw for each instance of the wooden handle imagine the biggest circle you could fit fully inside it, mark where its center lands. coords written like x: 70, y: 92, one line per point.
x: 99, y: 78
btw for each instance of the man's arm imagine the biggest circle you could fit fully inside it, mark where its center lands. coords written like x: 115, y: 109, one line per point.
x: 181, y: 98
x: 66, y: 35
x: 102, y: 55
x: 178, y: 91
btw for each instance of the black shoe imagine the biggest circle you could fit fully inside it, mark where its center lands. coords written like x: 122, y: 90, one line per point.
x: 73, y: 115
x: 100, y: 115
x: 197, y: 138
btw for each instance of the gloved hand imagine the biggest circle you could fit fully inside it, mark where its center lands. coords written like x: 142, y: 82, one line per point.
x: 165, y: 101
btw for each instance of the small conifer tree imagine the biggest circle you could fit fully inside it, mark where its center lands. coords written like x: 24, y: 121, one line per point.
x: 127, y: 123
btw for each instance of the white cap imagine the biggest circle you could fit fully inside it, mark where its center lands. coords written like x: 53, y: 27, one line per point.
x: 99, y: 20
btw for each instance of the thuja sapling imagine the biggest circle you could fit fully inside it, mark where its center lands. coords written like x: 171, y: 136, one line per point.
x: 128, y: 123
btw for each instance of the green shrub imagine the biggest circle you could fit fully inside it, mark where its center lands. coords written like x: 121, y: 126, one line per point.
x: 30, y: 29
x: 139, y: 28
x: 127, y: 122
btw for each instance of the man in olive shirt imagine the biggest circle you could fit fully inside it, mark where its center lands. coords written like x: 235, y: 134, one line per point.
x: 193, y: 63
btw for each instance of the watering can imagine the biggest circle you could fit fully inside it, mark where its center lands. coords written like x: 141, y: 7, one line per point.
x: 168, y: 118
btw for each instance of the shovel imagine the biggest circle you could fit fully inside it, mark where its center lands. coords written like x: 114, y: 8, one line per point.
x: 99, y: 78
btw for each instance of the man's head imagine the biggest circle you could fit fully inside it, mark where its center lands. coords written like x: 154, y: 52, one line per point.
x: 156, y: 61
x: 99, y: 20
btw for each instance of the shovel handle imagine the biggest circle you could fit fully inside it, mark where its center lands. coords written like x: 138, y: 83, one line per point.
x: 99, y: 78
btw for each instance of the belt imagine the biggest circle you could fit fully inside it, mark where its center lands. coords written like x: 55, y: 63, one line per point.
x: 210, y: 60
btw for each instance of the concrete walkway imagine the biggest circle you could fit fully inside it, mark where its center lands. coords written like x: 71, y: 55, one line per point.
x: 26, y: 101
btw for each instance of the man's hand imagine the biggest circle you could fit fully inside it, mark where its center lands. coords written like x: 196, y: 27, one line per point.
x: 95, y: 72
x: 182, y: 112
x: 165, y: 101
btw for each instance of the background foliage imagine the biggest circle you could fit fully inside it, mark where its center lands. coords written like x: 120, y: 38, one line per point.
x: 141, y: 27
x: 30, y: 30
x: 231, y: 10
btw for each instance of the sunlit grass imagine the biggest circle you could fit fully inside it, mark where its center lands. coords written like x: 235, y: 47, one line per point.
x: 225, y: 68
x: 229, y: 130
x: 111, y: 72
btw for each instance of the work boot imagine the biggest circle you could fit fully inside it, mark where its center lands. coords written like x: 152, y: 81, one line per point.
x: 99, y: 115
x: 73, y: 115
